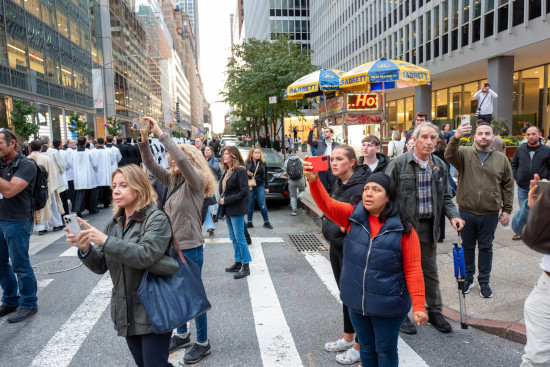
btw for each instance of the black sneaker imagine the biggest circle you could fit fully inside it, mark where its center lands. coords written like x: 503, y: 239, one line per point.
x: 485, y: 290
x: 177, y: 342
x: 467, y: 286
x: 268, y: 225
x: 22, y: 314
x: 439, y: 322
x: 6, y: 310
x: 197, y: 353
x: 249, y: 225
x: 248, y: 239
x: 408, y: 327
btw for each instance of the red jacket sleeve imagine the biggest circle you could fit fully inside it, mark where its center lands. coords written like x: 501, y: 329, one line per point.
x: 335, y: 210
x: 410, y: 247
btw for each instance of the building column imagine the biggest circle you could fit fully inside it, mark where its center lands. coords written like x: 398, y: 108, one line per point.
x: 500, y: 74
x: 423, y: 100
x: 107, y: 48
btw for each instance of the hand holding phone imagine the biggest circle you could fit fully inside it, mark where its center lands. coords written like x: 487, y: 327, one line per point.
x: 72, y: 225
x: 318, y: 163
x: 542, y: 186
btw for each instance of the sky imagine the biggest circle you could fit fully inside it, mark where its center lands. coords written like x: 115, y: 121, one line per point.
x: 215, y: 45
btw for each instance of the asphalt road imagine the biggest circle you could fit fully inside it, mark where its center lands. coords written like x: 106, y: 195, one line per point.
x: 279, y: 316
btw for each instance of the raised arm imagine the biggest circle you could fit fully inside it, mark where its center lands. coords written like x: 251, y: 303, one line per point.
x: 335, y: 210
x: 159, y: 172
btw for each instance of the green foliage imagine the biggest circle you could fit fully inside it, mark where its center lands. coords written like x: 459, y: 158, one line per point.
x: 114, y: 126
x: 500, y: 126
x: 77, y: 126
x: 20, y: 121
x: 261, y: 69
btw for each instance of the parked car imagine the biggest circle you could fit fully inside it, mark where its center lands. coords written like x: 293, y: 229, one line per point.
x: 276, y: 174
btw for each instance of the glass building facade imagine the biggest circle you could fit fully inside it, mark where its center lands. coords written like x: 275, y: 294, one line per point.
x: 290, y: 18
x: 45, y: 59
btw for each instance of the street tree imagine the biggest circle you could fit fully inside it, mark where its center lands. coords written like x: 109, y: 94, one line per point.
x: 77, y: 126
x: 261, y: 69
x: 114, y: 126
x: 21, y: 119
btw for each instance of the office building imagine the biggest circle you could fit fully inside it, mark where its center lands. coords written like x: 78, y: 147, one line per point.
x: 46, y: 60
x: 463, y: 43
x: 266, y: 19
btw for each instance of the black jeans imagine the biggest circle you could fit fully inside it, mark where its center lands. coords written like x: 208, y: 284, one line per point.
x: 480, y: 229
x: 486, y: 118
x: 336, y: 258
x: 150, y: 350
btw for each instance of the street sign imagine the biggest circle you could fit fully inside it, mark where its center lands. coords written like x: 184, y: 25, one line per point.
x: 170, y: 125
x: 273, y: 100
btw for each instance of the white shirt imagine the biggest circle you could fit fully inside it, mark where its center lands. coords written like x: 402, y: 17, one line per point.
x: 328, y: 151
x: 373, y: 166
x: 487, y: 106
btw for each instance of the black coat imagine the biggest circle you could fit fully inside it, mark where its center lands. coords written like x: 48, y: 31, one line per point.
x: 261, y: 174
x: 524, y: 167
x: 349, y: 192
x: 124, y: 152
x: 134, y: 156
x: 236, y: 193
x: 383, y: 161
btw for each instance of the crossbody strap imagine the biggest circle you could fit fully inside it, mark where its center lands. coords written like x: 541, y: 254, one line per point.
x: 483, y: 101
x: 175, y: 243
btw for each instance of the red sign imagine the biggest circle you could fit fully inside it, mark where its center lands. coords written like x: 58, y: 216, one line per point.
x: 362, y: 102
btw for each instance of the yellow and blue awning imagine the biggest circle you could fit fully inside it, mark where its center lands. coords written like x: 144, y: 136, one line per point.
x: 314, y: 84
x: 384, y: 74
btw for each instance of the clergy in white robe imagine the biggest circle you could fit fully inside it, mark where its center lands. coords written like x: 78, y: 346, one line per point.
x: 105, y: 161
x: 114, y: 150
x: 69, y: 172
x: 85, y: 167
x: 48, y: 217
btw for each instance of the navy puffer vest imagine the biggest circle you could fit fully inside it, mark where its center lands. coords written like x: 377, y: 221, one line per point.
x: 372, y: 281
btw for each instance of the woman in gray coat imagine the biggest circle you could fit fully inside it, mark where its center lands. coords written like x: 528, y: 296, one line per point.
x: 121, y: 250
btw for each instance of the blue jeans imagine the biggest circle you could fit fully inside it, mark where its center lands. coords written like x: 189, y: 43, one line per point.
x: 14, y: 245
x: 235, y: 226
x: 480, y: 229
x: 522, y: 195
x: 257, y: 194
x: 197, y: 256
x: 377, y: 339
x: 208, y: 221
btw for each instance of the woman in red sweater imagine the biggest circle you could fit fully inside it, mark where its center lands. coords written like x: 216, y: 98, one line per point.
x: 381, y: 272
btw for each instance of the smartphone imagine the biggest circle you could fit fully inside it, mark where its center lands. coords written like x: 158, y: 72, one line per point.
x: 542, y: 185
x: 141, y: 124
x: 319, y: 163
x: 72, y: 224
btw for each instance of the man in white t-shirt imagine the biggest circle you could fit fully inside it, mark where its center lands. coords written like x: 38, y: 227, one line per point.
x: 372, y: 156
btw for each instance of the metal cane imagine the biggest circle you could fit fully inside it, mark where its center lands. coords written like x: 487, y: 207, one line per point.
x: 460, y: 275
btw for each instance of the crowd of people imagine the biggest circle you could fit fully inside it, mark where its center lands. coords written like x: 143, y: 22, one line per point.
x: 383, y: 215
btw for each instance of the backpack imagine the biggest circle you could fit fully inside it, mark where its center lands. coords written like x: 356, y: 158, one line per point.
x: 40, y: 191
x: 294, y: 169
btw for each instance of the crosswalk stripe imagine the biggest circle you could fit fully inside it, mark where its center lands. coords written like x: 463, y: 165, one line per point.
x: 41, y: 284
x: 321, y: 265
x: 277, y: 346
x: 70, y: 252
x: 62, y: 347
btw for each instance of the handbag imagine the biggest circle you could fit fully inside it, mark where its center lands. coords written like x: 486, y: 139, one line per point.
x: 221, y: 208
x: 252, y: 181
x: 172, y: 301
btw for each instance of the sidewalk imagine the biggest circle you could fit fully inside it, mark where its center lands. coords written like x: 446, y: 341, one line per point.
x: 515, y: 272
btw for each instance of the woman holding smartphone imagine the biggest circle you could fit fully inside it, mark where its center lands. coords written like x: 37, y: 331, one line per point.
x: 189, y: 181
x: 233, y: 194
x: 256, y: 168
x: 121, y: 250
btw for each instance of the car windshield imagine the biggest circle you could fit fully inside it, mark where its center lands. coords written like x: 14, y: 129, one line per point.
x: 272, y: 158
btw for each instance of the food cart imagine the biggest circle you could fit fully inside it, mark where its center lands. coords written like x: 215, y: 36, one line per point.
x: 352, y: 116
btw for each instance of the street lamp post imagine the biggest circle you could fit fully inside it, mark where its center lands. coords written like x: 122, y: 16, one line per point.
x: 105, y: 87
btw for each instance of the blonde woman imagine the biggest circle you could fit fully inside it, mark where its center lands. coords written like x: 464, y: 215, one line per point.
x: 233, y: 194
x: 256, y: 168
x: 126, y: 254
x: 189, y: 181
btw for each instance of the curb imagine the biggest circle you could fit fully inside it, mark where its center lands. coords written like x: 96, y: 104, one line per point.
x: 510, y: 330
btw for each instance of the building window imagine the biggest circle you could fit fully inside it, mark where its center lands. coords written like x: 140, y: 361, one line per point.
x: 465, y: 35
x: 517, y: 12
x: 503, y: 18
x: 17, y: 54
x: 489, y: 22
x: 476, y: 30
x: 535, y: 9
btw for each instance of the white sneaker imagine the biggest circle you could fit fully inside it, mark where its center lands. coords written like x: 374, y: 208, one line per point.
x: 350, y: 356
x: 339, y: 345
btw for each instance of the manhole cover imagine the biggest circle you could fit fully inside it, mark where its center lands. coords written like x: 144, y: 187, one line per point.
x: 307, y: 242
x: 56, y: 265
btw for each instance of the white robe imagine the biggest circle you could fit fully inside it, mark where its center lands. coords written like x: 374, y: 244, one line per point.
x: 64, y: 179
x: 105, y: 160
x: 116, y: 153
x: 85, y: 166
x: 61, y: 166
x: 69, y: 158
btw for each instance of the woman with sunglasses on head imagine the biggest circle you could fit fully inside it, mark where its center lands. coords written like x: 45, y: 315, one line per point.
x: 257, y: 169
x: 233, y: 194
x: 381, y: 269
x: 189, y: 181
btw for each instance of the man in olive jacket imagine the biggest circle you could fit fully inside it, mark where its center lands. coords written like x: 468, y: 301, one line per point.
x: 422, y: 182
x: 485, y: 188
